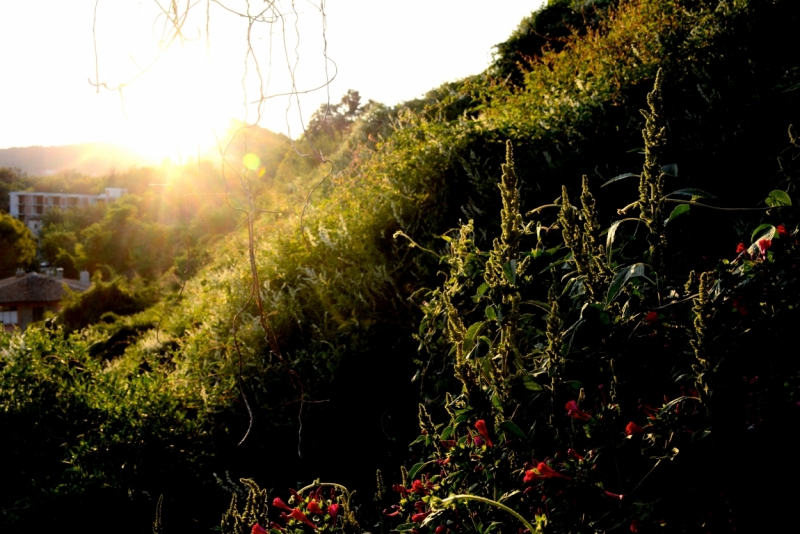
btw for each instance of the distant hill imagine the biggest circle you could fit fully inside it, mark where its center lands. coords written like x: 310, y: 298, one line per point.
x: 86, y: 158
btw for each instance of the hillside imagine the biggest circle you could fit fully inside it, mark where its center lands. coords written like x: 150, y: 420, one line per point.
x: 390, y: 287
x: 85, y: 158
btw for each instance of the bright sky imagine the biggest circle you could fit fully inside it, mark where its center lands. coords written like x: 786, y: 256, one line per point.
x: 388, y: 50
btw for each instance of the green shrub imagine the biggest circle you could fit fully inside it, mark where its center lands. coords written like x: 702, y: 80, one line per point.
x: 637, y: 394
x: 79, y: 431
x: 117, y: 296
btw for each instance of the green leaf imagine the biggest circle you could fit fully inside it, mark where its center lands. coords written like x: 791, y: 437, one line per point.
x: 406, y: 527
x: 472, y: 332
x: 620, y: 177
x: 692, y: 192
x: 463, y: 417
x: 419, y: 439
x: 612, y: 232
x: 415, y: 469
x: 509, y: 494
x: 496, y: 403
x: 578, y: 288
x: 679, y: 210
x: 446, y: 433
x: 482, y: 289
x: 510, y: 270
x: 531, y: 384
x: 509, y: 427
x: 539, y: 304
x: 764, y: 231
x: 670, y: 170
x: 621, y: 278
x: 491, y: 314
x: 778, y: 198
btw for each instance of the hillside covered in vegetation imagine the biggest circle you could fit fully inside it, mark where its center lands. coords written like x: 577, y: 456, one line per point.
x: 599, y: 344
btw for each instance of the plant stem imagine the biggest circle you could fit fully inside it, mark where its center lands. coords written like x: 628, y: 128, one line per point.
x: 491, y: 502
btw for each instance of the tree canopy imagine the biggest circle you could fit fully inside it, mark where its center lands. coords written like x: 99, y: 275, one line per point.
x: 17, y: 244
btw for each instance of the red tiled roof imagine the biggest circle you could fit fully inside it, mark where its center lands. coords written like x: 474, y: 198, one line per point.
x: 35, y: 287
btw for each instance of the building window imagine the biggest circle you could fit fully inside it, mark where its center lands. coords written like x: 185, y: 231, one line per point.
x: 8, y: 315
x: 38, y: 313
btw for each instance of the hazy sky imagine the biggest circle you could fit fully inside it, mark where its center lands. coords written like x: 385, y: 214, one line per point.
x: 390, y: 51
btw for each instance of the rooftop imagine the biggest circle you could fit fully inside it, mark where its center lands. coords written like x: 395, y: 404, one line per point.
x: 36, y: 287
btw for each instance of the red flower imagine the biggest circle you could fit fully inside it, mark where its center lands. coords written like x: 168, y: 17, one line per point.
x: 297, y: 515
x: 649, y: 410
x: 401, y: 490
x: 633, y: 428
x: 314, y: 508
x: 275, y: 526
x: 418, y: 487
x: 740, y: 248
x: 613, y: 495
x: 419, y: 518
x: 635, y: 526
x: 740, y: 304
x: 480, y: 424
x: 573, y: 454
x: 278, y: 503
x: 575, y: 412
x: 448, y: 443
x: 441, y: 529
x: 763, y: 246
x: 333, y: 511
x: 543, y: 471
x: 782, y: 231
x: 651, y: 318
x: 258, y: 529
x: 386, y: 512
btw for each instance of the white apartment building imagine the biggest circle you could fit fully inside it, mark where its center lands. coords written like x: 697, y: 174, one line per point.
x: 29, y: 207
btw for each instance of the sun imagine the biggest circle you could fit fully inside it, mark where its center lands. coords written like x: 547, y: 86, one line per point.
x: 176, y: 110
x: 166, y: 100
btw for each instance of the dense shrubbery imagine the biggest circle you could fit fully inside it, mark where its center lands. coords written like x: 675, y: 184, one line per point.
x: 81, y: 433
x: 620, y: 399
x: 615, y: 398
x: 344, y: 298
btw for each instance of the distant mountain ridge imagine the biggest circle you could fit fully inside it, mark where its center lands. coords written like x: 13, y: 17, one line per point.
x: 86, y: 158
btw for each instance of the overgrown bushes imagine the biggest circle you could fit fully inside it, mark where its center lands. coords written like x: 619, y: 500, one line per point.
x: 337, y: 287
x: 586, y: 382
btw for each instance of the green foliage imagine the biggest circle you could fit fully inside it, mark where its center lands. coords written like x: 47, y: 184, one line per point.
x: 523, y: 324
x: 17, y: 244
x: 254, y: 512
x: 10, y: 180
x: 74, y: 425
x: 115, y: 297
x: 325, y: 508
x: 546, y: 29
x: 615, y: 394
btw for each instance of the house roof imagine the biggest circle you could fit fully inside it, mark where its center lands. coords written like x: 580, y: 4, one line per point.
x: 35, y: 287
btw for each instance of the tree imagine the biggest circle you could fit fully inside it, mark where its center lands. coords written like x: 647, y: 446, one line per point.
x: 17, y: 245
